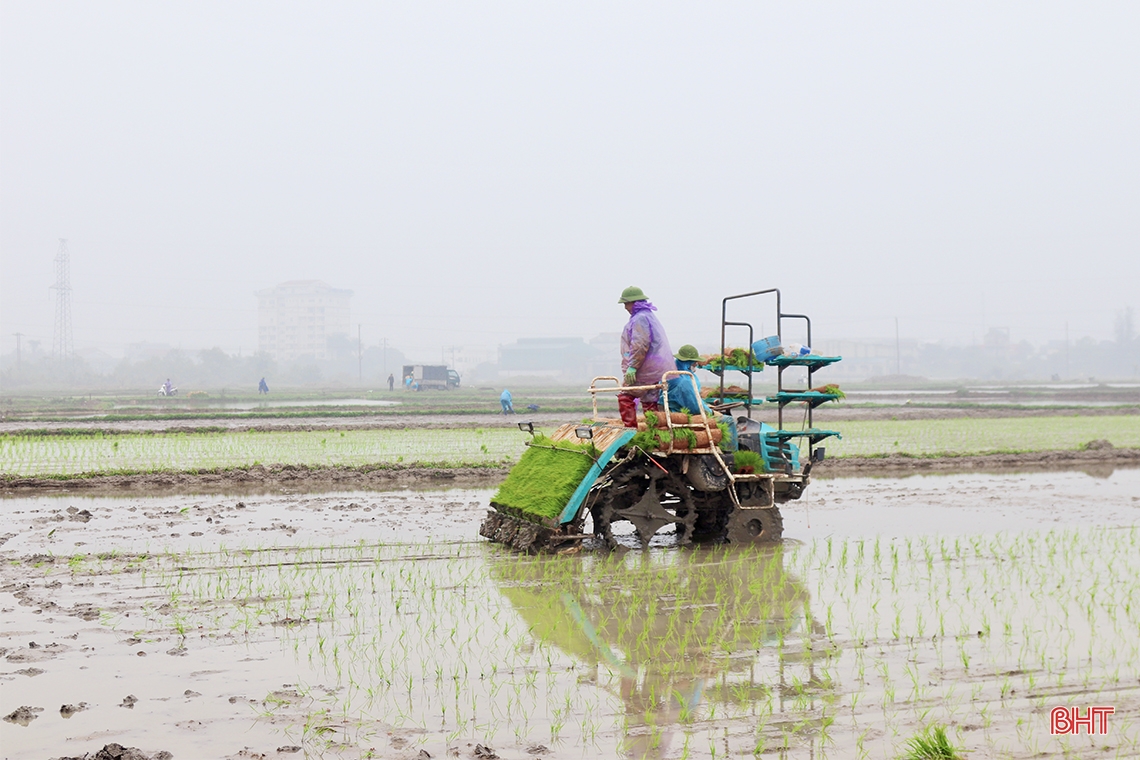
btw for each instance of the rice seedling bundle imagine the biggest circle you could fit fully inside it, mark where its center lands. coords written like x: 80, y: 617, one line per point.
x: 545, y: 477
x: 741, y: 358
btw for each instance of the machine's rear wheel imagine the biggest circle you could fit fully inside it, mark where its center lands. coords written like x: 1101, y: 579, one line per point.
x: 713, y: 510
x: 754, y: 526
x: 646, y: 497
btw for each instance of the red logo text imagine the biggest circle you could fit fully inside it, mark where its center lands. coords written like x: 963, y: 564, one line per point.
x: 1068, y: 720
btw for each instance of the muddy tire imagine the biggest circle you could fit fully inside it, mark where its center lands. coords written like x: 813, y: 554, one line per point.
x: 713, y: 510
x: 601, y: 515
x: 754, y: 526
x: 705, y: 473
x: 647, y: 499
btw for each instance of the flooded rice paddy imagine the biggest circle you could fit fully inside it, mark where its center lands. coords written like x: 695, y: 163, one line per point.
x: 372, y: 624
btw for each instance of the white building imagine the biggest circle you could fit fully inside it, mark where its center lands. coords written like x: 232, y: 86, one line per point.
x: 298, y: 317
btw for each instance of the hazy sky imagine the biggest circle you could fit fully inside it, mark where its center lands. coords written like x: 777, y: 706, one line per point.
x: 476, y: 172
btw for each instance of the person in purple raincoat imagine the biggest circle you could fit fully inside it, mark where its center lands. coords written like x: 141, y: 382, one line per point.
x: 645, y: 355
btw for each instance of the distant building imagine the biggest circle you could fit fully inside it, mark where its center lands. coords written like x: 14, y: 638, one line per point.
x: 297, y: 318
x: 607, y: 354
x: 564, y: 359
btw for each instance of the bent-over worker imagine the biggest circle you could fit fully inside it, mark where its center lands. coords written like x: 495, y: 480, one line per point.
x: 645, y: 355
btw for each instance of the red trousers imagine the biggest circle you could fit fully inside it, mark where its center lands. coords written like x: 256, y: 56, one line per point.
x: 627, y: 407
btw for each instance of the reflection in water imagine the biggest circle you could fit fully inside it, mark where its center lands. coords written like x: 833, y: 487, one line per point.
x: 677, y: 629
x: 666, y: 653
x: 651, y: 654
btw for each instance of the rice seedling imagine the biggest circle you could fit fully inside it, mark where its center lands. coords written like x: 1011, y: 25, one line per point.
x: 931, y: 744
x: 806, y: 647
x: 55, y: 455
x: 41, y: 454
x: 545, y: 477
x: 951, y: 437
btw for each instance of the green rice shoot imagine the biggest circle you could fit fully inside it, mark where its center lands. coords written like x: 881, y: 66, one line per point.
x: 931, y: 744
x: 745, y: 458
x: 545, y: 478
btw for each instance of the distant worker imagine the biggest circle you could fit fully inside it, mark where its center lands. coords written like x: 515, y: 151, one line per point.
x: 262, y: 387
x: 645, y: 355
x: 167, y: 388
x: 683, y: 397
x: 391, y: 382
x: 505, y: 401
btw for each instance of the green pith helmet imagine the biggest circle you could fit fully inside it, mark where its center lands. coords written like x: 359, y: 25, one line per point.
x: 631, y: 294
x: 688, y: 353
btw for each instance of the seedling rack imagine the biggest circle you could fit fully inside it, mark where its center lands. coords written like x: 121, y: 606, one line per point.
x: 784, y: 395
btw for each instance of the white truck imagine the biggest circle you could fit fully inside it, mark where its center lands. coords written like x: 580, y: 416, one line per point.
x: 424, y: 376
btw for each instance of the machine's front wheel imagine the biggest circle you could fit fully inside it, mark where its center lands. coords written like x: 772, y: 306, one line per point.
x: 754, y: 526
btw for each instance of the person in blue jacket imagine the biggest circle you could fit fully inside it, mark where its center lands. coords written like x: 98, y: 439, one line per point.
x: 505, y: 400
x: 682, y: 396
x: 681, y: 393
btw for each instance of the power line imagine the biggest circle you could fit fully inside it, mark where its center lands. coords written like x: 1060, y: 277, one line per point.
x: 62, y: 346
x: 19, y: 336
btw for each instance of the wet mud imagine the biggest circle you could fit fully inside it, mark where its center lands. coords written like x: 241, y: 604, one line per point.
x: 260, y: 478
x: 373, y: 623
x: 1102, y: 459
x: 298, y: 478
x: 115, y: 751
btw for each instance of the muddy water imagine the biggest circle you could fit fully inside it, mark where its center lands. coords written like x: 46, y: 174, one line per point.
x: 356, y: 622
x: 961, y: 504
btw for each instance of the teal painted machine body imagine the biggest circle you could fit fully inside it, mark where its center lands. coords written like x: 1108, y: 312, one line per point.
x: 579, y: 498
x: 778, y: 454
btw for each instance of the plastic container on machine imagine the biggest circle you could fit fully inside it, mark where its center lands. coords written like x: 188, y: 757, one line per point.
x: 767, y: 348
x: 796, y: 349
